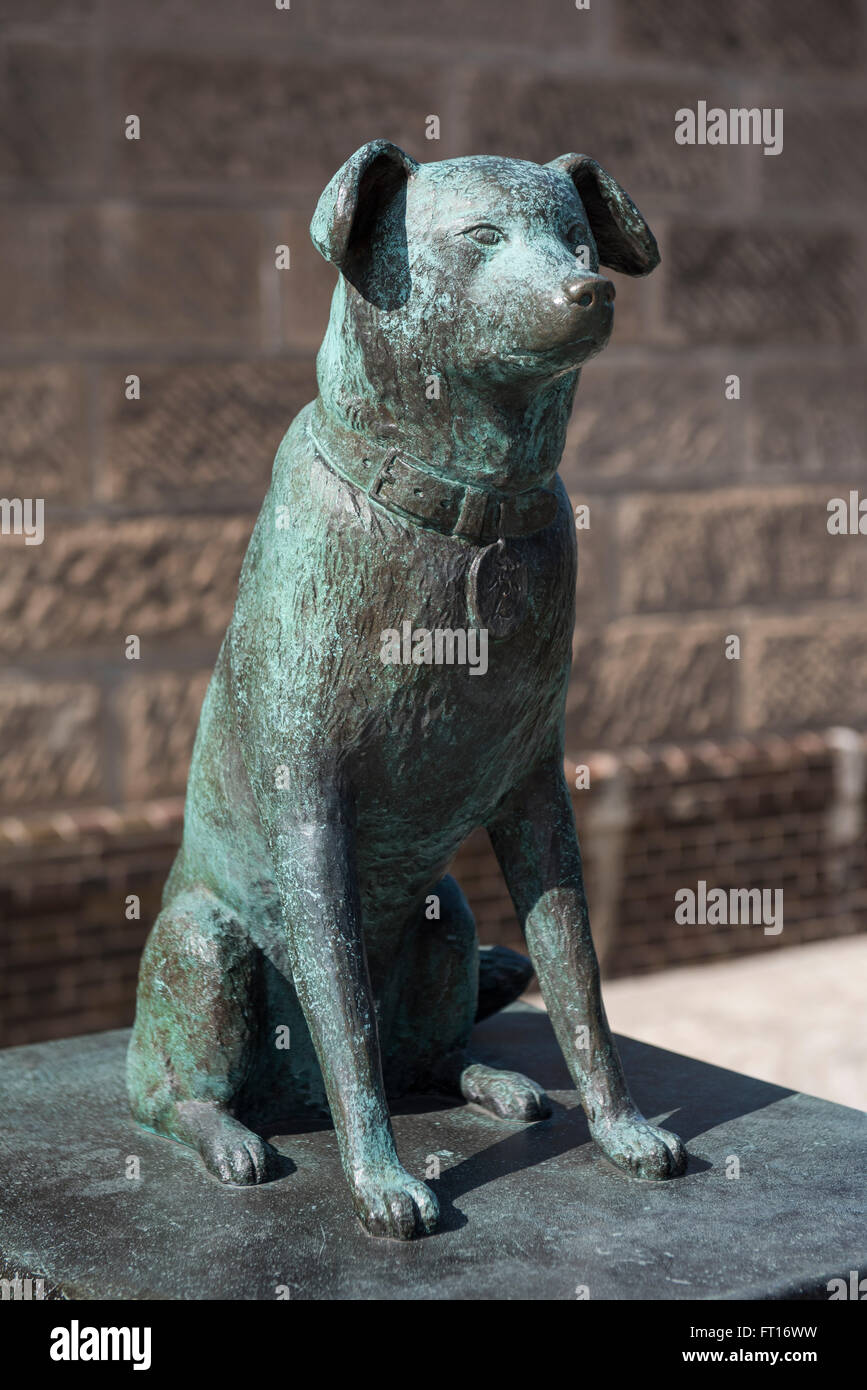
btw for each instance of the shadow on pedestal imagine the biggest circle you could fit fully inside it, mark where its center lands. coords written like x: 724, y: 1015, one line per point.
x: 771, y: 1207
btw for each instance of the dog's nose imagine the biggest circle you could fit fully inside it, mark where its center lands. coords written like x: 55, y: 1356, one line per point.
x: 589, y: 290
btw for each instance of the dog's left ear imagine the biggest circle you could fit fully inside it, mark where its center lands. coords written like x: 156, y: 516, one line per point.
x: 623, y: 239
x: 348, y: 226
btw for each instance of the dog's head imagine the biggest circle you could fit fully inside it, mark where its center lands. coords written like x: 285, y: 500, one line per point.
x: 482, y: 268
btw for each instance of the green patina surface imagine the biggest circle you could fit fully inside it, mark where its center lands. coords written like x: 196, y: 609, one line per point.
x: 329, y: 789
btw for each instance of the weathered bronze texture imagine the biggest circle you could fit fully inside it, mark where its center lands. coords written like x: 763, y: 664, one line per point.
x: 337, y: 769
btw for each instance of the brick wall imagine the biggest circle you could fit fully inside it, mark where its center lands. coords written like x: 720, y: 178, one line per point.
x: 771, y: 814
x: 155, y: 257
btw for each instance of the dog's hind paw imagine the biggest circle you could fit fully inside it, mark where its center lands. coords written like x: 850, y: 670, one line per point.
x: 506, y: 1094
x: 229, y: 1150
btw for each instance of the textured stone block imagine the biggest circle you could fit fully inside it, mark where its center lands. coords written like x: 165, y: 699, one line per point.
x: 757, y: 34
x: 506, y: 22
x: 206, y: 432
x: 91, y: 584
x: 651, y: 424
x: 56, y: 16
x: 155, y: 275
x: 644, y: 682
x: 628, y: 126
x: 810, y: 422
x: 30, y: 240
x: 305, y: 287
x: 224, y: 21
x: 51, y: 736
x: 159, y: 715
x: 634, y: 317
x: 594, y: 597
x: 339, y: 23
x: 47, y: 118
x: 727, y: 548
x: 808, y: 670
x: 42, y: 427
x: 232, y: 121
x: 760, y: 284
x: 824, y: 159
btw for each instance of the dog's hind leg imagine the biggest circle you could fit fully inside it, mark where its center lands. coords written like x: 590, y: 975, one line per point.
x: 195, y: 1034
x: 503, y: 976
x: 448, y: 984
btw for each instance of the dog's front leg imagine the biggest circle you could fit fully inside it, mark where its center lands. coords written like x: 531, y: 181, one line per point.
x: 314, y: 865
x: 533, y: 835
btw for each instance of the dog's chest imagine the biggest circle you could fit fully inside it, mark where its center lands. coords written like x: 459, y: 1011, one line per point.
x: 442, y: 714
x: 431, y: 670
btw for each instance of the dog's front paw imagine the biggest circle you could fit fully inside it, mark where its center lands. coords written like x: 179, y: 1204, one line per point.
x: 643, y: 1149
x: 391, y: 1203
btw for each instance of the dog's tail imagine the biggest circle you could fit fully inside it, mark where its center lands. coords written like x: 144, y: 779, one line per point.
x: 503, y: 976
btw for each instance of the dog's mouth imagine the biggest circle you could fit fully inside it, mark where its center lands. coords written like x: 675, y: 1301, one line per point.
x: 551, y: 350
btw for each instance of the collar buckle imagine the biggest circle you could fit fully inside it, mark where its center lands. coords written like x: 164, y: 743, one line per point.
x: 381, y: 478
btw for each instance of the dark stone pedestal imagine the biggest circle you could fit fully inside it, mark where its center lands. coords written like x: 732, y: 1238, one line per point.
x: 528, y: 1213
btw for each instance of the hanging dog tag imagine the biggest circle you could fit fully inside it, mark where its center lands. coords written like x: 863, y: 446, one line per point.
x: 497, y: 590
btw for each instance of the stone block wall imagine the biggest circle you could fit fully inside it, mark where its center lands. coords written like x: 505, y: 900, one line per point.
x: 155, y: 258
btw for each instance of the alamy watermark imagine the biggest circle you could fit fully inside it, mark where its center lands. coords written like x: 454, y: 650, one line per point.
x: 753, y: 907
x: 21, y: 1289
x: 739, y: 125
x: 423, y: 646
x: 847, y: 516
x: 77, y: 1343
x: 23, y: 517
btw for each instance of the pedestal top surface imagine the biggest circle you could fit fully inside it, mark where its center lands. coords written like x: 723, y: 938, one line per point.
x: 527, y: 1212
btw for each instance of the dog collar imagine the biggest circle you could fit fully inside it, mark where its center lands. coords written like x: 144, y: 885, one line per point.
x: 403, y: 484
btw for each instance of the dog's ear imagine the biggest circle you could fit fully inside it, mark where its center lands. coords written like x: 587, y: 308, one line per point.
x: 348, y: 224
x: 623, y: 239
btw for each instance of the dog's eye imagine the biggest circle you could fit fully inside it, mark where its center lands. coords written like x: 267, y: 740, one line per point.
x: 576, y: 235
x: 485, y: 234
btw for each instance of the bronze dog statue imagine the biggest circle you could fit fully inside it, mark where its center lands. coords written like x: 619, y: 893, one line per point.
x: 349, y: 743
